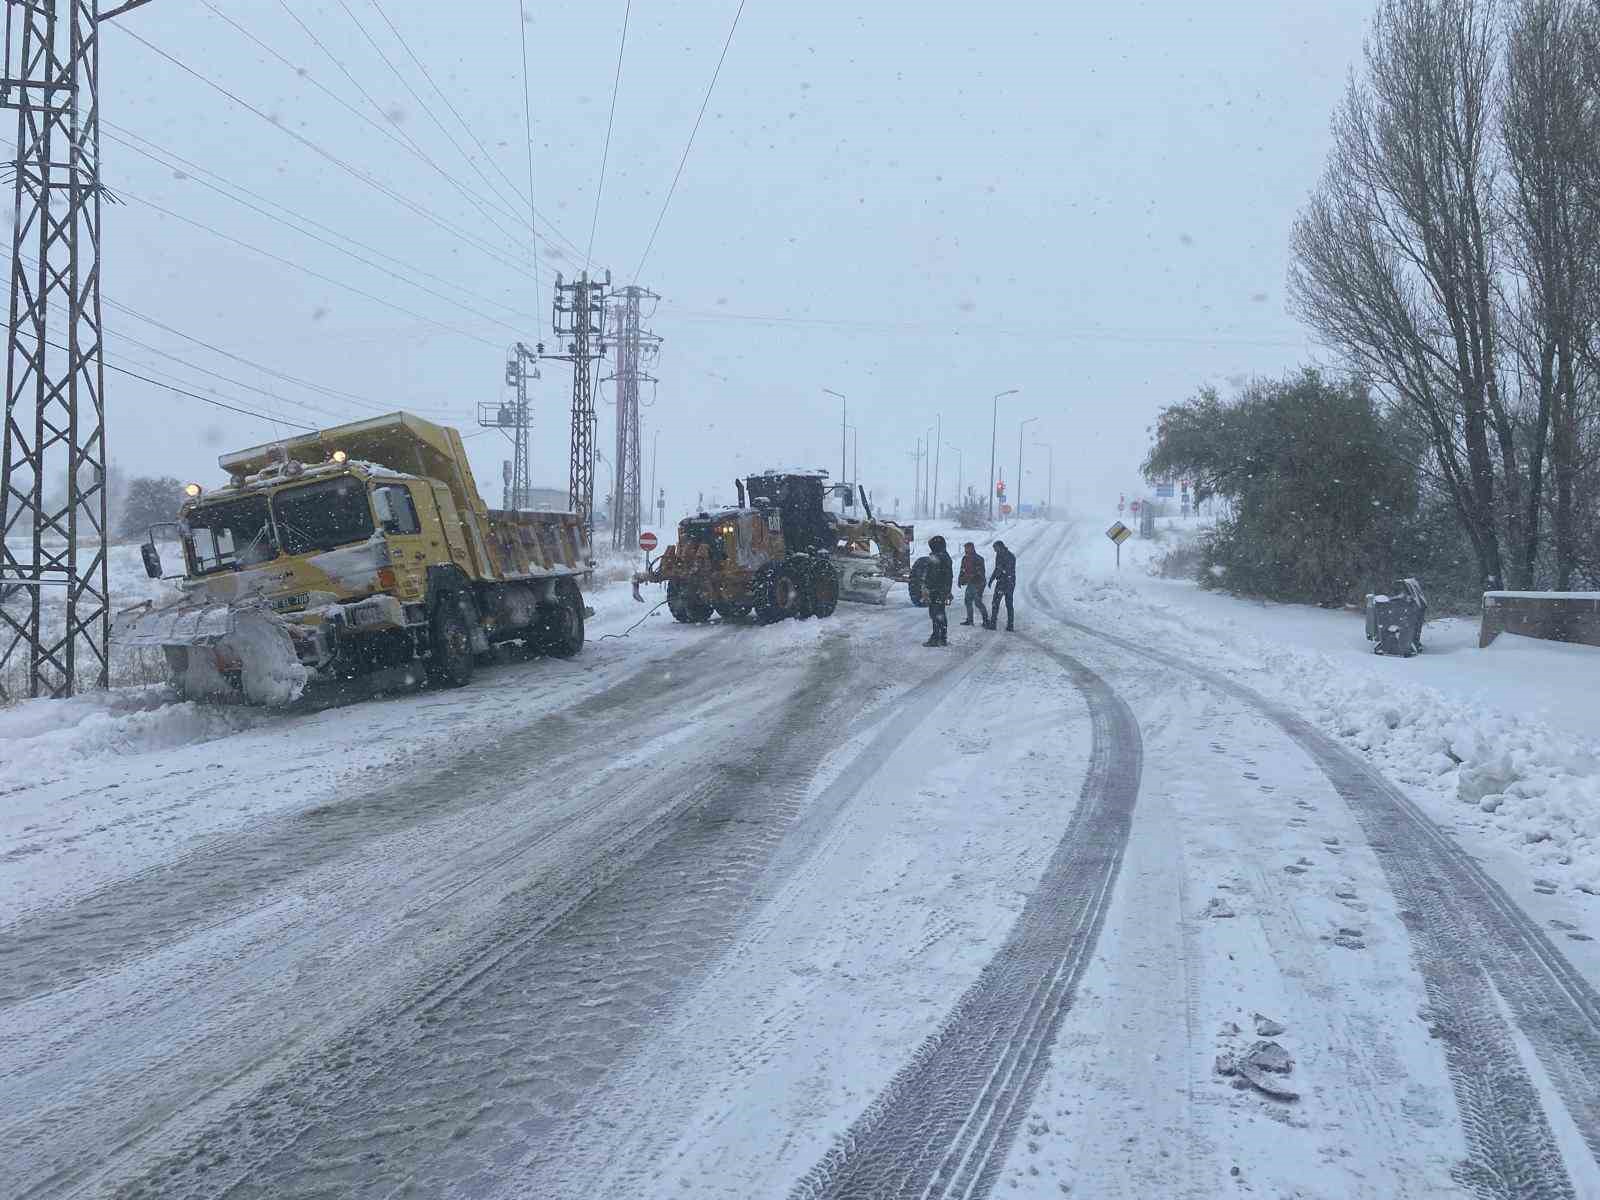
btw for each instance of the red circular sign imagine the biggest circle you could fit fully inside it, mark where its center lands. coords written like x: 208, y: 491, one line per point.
x: 1005, y: 510
x: 647, y: 541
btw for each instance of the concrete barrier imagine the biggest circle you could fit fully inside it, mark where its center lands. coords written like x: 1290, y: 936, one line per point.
x: 1553, y: 616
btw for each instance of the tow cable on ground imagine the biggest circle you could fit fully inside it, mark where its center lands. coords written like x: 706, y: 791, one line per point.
x: 634, y: 626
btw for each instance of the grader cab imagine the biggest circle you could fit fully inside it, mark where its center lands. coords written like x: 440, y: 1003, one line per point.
x: 769, y: 555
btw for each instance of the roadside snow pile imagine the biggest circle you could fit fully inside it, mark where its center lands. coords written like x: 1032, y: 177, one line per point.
x: 1510, y: 776
x: 118, y: 722
x: 1536, y: 786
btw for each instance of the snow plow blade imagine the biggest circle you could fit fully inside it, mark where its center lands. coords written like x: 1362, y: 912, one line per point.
x: 179, y: 625
x: 222, y: 651
x: 861, y: 581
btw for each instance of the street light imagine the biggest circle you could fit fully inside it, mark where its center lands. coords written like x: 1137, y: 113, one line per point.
x: 932, y: 448
x: 1050, y: 503
x: 844, y: 412
x: 1017, y: 499
x: 993, y: 428
x: 961, y: 459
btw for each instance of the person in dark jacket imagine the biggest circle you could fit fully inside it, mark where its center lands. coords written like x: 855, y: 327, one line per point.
x: 973, y: 580
x: 936, y: 590
x: 1004, y: 579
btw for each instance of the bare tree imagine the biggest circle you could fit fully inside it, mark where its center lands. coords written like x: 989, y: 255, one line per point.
x: 1395, y: 258
x: 1550, y: 121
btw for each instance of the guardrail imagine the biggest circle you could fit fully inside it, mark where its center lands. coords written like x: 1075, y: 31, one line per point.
x: 1553, y: 616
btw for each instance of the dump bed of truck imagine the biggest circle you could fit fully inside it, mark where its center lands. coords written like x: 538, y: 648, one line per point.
x: 537, y: 543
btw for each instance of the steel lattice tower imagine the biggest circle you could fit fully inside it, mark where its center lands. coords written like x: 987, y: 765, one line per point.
x: 579, y: 315
x: 633, y: 347
x: 515, y: 420
x: 52, y: 475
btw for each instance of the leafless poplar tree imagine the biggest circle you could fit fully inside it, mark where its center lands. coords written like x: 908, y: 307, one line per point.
x: 1396, y: 255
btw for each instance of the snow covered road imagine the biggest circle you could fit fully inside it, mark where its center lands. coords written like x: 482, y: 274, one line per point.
x: 800, y: 910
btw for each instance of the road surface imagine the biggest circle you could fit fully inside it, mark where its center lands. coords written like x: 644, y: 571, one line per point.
x: 798, y: 911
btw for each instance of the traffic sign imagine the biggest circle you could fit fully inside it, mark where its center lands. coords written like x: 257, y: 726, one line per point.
x: 1119, y: 532
x: 647, y: 541
x: 1000, y: 489
x: 1134, y: 506
x: 1005, y: 510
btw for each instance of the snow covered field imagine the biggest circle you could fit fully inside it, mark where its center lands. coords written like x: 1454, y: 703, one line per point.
x: 1165, y: 895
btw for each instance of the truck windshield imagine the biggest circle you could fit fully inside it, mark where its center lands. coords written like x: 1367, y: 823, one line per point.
x: 230, y: 535
x: 320, y: 516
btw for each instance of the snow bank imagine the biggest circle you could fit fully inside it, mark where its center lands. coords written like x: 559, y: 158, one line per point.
x: 1536, y: 787
x: 119, y: 722
x: 1474, y: 747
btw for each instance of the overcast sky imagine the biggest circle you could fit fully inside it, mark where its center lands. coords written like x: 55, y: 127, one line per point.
x: 915, y: 204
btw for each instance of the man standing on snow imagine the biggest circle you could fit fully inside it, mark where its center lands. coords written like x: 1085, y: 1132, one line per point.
x: 1005, y: 583
x: 973, y: 580
x: 936, y: 585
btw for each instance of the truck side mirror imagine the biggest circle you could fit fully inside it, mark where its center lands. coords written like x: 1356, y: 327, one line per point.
x: 152, y: 559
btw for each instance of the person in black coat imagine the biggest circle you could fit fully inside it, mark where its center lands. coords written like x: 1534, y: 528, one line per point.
x: 1004, y: 579
x: 973, y: 580
x: 936, y: 590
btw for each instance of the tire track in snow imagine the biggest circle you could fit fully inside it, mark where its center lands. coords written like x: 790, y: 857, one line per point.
x: 451, y: 1088
x: 48, y: 951
x: 943, y: 1125
x: 1469, y: 938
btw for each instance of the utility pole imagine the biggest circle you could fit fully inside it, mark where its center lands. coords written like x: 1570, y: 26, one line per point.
x: 578, y: 317
x: 938, y: 445
x: 55, y: 376
x: 994, y: 426
x: 1017, y: 499
x: 633, y: 344
x: 844, y: 416
x: 514, y: 419
x: 916, y: 477
x: 655, y: 446
x: 961, y: 459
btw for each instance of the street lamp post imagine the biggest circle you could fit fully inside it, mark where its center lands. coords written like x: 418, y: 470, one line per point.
x: 1050, y: 503
x: 994, y: 426
x: 844, y: 413
x: 1017, y: 499
x: 927, y: 441
x: 938, y: 445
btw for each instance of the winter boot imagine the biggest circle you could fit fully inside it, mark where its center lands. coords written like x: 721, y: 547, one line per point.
x: 1009, y: 628
x: 988, y: 624
x: 968, y: 621
x: 932, y: 641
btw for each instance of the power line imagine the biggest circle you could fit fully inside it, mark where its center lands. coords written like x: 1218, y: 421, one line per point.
x: 289, y: 262
x: 398, y: 136
x: 600, y: 186
x: 527, y: 133
x: 421, y: 103
x: 356, y: 173
x: 440, y: 92
x: 1059, y: 333
x: 192, y: 172
x: 685, y: 158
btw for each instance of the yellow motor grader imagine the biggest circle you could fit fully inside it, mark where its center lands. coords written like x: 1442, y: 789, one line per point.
x: 770, y: 555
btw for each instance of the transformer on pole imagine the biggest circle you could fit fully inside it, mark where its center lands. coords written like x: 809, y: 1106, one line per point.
x: 513, y: 417
x: 634, y: 347
x: 53, y: 467
x: 579, y: 317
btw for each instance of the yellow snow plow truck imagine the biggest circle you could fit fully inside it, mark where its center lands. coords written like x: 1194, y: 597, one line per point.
x: 352, y: 550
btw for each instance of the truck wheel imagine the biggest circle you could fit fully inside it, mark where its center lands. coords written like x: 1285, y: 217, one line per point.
x: 732, y: 610
x: 801, y: 569
x: 777, y: 593
x: 686, y: 604
x: 563, y: 624
x: 824, y: 588
x: 450, y: 657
